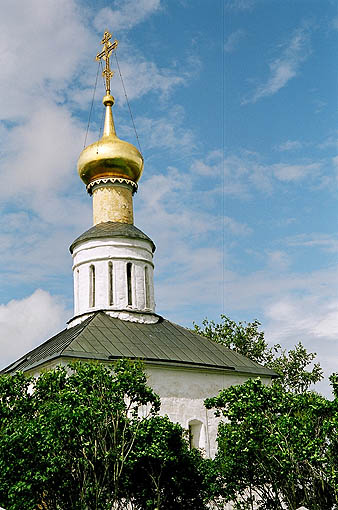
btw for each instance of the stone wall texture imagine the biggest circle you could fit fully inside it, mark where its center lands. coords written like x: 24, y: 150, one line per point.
x: 113, y: 203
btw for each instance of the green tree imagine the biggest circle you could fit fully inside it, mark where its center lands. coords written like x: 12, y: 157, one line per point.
x: 276, y: 449
x: 69, y: 438
x: 164, y: 471
x: 333, y: 438
x: 293, y: 366
x: 278, y: 444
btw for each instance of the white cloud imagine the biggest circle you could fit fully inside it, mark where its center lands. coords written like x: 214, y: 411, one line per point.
x: 315, y: 240
x: 170, y: 203
x: 311, y: 319
x: 33, y: 250
x: 239, y: 5
x: 44, y: 64
x: 211, y: 166
x: 246, y: 173
x: 278, y: 260
x: 303, y: 317
x: 290, y: 145
x: 37, y: 66
x: 38, y: 63
x: 26, y: 323
x: 285, y: 67
x: 197, y: 284
x: 165, y: 132
x: 41, y: 153
x: 233, y: 40
x: 127, y: 14
x: 203, y: 169
x: 319, y: 105
x: 236, y: 227
x: 149, y: 76
x: 288, y: 173
x: 40, y: 139
x: 39, y: 168
x: 334, y: 23
x: 261, y: 287
x: 331, y: 141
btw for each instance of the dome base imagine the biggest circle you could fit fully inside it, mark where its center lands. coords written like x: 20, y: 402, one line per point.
x: 111, y: 180
x: 113, y: 202
x: 124, y: 315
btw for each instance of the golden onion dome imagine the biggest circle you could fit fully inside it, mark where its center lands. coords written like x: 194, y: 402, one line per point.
x: 110, y: 157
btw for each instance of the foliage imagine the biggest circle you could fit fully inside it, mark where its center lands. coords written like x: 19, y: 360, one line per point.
x: 242, y: 337
x: 276, y: 449
x: 333, y: 436
x: 164, y: 470
x: 74, y: 438
x: 245, y: 338
x: 292, y: 368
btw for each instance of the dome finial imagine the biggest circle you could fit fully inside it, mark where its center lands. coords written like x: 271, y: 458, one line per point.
x: 108, y: 100
x: 108, y: 47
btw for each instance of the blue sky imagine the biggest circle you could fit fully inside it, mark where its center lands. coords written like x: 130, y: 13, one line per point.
x: 235, y: 104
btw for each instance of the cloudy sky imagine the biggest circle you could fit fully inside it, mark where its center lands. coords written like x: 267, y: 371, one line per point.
x: 235, y: 105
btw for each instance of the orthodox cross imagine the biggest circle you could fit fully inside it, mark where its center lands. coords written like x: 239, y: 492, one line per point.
x: 108, y: 47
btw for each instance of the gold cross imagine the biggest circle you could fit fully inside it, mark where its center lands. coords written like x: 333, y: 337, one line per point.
x: 108, y: 47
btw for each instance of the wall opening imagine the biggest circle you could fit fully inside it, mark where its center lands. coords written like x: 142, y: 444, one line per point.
x: 91, y: 286
x: 110, y: 284
x: 147, y: 286
x: 129, y: 286
x: 196, y: 434
x: 77, y: 290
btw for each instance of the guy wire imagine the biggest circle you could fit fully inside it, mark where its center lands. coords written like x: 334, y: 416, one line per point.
x: 223, y: 100
x: 125, y: 95
x: 103, y: 110
x: 91, y: 106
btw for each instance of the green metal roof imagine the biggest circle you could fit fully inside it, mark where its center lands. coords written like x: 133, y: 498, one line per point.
x: 105, y: 338
x: 110, y: 229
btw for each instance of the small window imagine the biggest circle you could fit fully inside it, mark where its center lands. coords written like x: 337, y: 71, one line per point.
x: 196, y: 434
x: 77, y: 289
x: 147, y: 286
x: 91, y: 286
x: 130, y: 300
x: 110, y: 284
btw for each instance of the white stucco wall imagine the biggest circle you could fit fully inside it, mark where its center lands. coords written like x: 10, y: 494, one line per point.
x: 98, y: 253
x: 182, y: 391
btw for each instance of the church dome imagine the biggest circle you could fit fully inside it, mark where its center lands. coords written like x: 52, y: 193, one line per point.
x: 110, y: 157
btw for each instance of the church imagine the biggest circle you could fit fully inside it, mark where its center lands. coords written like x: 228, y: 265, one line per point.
x: 114, y: 299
